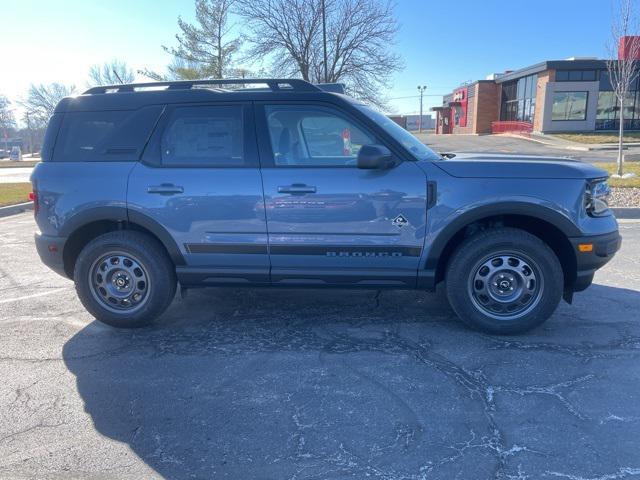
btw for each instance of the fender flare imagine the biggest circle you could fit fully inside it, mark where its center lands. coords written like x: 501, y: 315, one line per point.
x: 539, y: 212
x: 122, y: 214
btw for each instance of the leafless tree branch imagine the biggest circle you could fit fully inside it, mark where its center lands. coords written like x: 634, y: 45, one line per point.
x: 110, y: 73
x: 623, y: 68
x: 359, y: 36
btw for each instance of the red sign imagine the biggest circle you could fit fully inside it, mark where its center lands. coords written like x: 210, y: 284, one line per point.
x: 459, y: 110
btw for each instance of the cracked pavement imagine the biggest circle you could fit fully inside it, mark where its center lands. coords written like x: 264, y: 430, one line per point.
x: 315, y: 384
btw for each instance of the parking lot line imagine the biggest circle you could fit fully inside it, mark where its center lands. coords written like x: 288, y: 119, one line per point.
x: 39, y: 294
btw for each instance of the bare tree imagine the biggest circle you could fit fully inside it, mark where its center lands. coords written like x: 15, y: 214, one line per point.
x: 623, y: 72
x: 7, y: 120
x: 207, y: 47
x: 359, y: 34
x: 42, y: 99
x: 110, y: 73
x: 178, y: 70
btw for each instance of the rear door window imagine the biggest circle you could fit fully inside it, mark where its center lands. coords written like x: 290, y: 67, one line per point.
x: 208, y: 136
x: 106, y: 135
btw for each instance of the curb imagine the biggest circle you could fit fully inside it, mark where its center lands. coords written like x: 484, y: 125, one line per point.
x: 626, y: 212
x: 14, y: 209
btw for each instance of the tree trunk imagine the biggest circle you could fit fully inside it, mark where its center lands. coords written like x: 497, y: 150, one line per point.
x: 620, y: 137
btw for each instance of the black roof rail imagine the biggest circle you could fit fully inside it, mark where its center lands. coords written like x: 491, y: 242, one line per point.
x: 275, y: 84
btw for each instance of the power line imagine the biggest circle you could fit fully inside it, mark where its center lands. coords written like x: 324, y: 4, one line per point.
x: 418, y: 96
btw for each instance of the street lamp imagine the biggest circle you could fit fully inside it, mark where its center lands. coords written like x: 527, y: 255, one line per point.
x: 421, y: 89
x: 324, y: 40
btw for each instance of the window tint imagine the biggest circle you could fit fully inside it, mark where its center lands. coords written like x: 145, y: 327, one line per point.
x: 105, y: 136
x: 518, y: 99
x: 575, y: 75
x: 204, y: 136
x: 313, y: 136
x: 569, y: 106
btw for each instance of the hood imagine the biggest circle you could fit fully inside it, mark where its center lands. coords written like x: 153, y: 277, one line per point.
x: 490, y: 165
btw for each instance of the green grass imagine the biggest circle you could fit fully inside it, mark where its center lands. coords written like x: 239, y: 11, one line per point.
x: 13, y: 193
x: 629, y: 167
x: 599, y: 137
x: 23, y: 163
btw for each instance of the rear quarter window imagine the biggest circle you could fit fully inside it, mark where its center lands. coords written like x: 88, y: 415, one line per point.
x: 105, y: 136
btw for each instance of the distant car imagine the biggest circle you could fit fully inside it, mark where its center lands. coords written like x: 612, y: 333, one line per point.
x: 140, y: 188
x: 4, y: 154
x: 16, y: 154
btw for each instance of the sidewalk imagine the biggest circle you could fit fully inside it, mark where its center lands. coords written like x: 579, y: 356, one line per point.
x: 556, y: 142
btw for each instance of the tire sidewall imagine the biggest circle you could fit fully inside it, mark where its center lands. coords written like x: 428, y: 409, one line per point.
x: 161, y: 279
x: 505, y: 240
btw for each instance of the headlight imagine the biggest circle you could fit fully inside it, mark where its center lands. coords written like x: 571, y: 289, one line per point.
x: 597, y: 197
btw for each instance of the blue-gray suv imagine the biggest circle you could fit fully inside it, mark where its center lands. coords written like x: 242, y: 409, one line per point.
x: 282, y: 183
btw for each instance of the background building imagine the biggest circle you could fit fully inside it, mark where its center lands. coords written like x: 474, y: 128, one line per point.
x: 412, y: 122
x: 573, y: 95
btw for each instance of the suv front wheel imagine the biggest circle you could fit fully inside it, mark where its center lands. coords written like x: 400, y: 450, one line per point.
x: 504, y: 281
x: 125, y: 278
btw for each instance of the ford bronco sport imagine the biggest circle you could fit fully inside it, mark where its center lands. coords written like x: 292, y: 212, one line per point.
x: 282, y: 183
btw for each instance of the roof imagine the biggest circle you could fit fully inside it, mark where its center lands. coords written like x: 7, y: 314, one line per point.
x: 553, y: 65
x: 135, y: 95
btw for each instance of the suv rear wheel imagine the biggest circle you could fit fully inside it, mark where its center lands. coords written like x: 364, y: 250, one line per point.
x: 504, y: 280
x: 125, y: 279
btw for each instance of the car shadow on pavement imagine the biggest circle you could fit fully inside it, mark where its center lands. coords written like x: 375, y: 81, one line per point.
x: 251, y: 383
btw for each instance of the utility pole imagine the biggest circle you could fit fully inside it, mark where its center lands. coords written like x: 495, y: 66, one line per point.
x: 421, y: 89
x: 324, y: 40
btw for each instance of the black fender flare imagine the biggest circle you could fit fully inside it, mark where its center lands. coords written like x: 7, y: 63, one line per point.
x: 122, y: 214
x: 539, y: 212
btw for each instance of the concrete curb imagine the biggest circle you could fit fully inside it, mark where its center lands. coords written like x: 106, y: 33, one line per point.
x: 626, y: 212
x: 14, y: 209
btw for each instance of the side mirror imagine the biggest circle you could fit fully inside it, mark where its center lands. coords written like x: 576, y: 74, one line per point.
x: 372, y: 157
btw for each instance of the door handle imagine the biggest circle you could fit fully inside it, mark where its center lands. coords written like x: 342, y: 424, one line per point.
x: 165, y: 189
x: 297, y: 189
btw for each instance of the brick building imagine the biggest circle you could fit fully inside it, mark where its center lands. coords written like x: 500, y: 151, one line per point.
x: 573, y: 95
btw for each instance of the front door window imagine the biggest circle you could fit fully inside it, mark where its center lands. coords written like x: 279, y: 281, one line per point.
x: 313, y: 136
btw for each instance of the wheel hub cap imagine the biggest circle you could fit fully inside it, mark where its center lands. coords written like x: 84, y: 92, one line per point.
x: 505, y: 286
x: 119, y: 282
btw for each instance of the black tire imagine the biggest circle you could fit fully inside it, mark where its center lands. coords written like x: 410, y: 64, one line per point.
x: 504, y: 281
x: 125, y: 279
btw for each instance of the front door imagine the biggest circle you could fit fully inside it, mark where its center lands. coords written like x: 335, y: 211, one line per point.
x: 330, y: 222
x: 200, y: 181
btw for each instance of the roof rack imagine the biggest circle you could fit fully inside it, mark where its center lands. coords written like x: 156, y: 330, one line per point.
x: 274, y: 84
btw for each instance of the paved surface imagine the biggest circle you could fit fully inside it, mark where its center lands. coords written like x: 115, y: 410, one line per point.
x: 506, y: 144
x: 308, y: 384
x: 15, y: 175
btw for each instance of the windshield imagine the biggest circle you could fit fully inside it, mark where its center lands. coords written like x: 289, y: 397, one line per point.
x: 408, y: 140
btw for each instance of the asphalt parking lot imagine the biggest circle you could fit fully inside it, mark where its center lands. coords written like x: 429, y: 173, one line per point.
x: 508, y: 145
x: 309, y: 384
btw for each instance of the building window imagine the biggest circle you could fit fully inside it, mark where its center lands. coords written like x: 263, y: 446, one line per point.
x: 575, y: 75
x: 608, y: 116
x: 519, y: 99
x: 569, y: 106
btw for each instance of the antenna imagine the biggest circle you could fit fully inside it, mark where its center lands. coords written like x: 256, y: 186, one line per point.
x: 117, y: 76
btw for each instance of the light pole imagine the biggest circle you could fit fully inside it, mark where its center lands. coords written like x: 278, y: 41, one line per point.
x: 324, y: 40
x: 421, y: 89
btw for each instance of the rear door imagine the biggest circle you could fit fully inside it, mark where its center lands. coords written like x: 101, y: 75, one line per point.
x: 200, y: 181
x: 330, y: 222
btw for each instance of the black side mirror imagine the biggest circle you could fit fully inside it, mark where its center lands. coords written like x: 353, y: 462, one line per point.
x: 372, y: 157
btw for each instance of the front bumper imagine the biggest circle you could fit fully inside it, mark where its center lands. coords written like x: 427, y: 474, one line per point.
x: 604, y: 247
x: 50, y: 250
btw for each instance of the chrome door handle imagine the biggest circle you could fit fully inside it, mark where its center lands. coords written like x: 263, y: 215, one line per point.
x: 165, y: 189
x: 297, y: 189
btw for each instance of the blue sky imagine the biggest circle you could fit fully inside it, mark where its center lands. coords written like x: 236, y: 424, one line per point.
x: 443, y: 43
